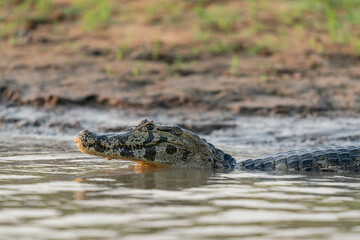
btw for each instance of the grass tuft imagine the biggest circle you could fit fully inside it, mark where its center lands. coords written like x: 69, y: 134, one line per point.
x: 94, y: 14
x: 124, y: 48
x: 219, y: 18
x: 234, y: 67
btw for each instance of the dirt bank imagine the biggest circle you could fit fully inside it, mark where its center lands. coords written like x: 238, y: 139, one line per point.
x: 262, y: 85
x: 54, y: 63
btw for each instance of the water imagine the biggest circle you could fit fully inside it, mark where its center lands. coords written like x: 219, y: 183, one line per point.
x: 50, y: 190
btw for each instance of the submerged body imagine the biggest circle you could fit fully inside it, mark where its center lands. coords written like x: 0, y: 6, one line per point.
x: 167, y: 145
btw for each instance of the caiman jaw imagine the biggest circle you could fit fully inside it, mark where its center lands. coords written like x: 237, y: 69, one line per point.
x: 123, y: 146
x: 99, y: 145
x: 114, y: 146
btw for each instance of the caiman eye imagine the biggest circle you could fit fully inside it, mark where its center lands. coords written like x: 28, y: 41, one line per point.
x: 150, y: 127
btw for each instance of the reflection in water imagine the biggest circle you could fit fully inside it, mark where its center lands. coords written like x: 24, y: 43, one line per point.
x: 150, y: 178
x: 49, y: 190
x: 145, y: 178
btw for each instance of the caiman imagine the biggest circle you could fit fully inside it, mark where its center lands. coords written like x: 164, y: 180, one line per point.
x: 168, y: 145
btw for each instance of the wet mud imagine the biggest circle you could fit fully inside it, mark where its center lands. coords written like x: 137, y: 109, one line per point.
x: 258, y: 88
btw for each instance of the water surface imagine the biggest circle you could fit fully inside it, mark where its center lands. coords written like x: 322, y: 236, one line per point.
x: 49, y: 190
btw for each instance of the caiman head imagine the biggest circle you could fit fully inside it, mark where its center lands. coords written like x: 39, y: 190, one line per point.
x: 155, y: 145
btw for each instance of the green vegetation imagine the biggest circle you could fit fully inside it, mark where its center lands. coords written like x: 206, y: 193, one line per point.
x: 94, y: 14
x: 221, y: 18
x: 166, y: 12
x: 91, y: 14
x: 138, y: 69
x: 155, y: 51
x: 22, y: 12
x: 124, y: 48
x: 217, y: 27
x: 234, y: 67
x: 109, y: 70
x: 177, y: 66
x: 219, y: 47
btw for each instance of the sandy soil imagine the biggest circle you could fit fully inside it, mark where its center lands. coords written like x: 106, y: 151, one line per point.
x: 32, y: 75
x: 50, y: 68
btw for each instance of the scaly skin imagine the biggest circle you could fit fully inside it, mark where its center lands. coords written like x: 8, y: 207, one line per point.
x: 167, y: 145
x: 320, y: 159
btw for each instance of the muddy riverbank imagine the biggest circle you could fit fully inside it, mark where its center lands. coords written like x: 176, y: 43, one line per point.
x: 291, y: 88
x: 281, y: 132
x: 207, y: 56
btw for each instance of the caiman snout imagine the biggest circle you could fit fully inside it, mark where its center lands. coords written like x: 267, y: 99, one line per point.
x: 84, y: 137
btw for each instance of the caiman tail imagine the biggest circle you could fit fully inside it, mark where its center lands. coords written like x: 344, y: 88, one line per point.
x: 320, y: 159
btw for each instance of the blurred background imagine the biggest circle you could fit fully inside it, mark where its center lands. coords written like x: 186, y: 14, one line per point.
x: 253, y: 57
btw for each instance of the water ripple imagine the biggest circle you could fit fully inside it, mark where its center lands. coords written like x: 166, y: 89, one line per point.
x: 50, y: 192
